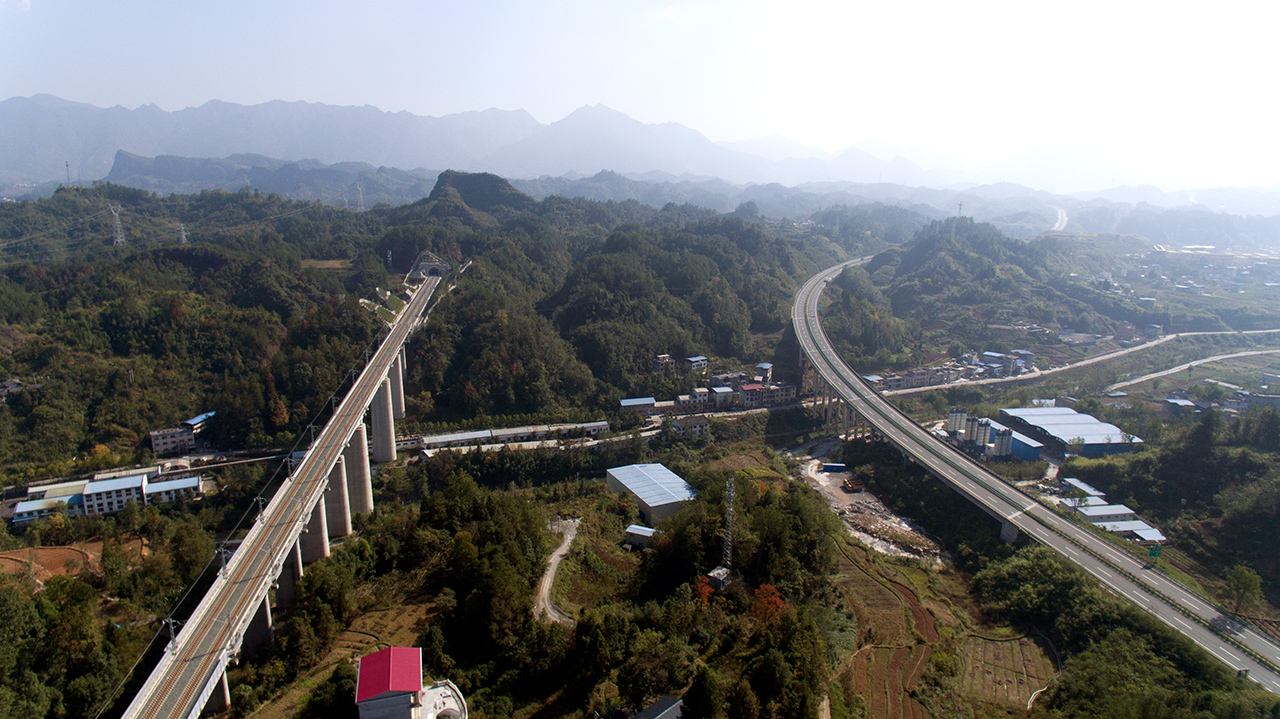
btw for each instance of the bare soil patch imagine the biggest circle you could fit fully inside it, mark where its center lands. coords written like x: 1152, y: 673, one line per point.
x: 736, y: 462
x: 327, y: 264
x: 43, y: 563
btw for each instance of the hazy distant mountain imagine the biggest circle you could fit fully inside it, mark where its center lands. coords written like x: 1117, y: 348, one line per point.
x: 40, y: 133
x: 303, y: 150
x: 597, y: 138
x: 777, y: 147
x: 347, y: 183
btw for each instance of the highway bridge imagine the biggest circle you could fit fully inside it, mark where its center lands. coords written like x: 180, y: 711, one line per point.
x: 846, y: 400
x: 311, y: 507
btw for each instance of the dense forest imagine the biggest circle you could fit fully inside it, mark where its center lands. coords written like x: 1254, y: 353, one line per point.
x: 560, y: 314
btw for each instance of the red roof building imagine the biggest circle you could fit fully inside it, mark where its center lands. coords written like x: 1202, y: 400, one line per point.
x: 390, y: 683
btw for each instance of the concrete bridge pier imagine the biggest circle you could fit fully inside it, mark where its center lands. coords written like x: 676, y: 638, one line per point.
x: 384, y: 425
x: 261, y: 629
x: 336, y: 503
x: 396, y: 375
x: 359, y: 484
x: 1008, y: 531
x: 220, y: 700
x: 290, y: 574
x: 315, y: 539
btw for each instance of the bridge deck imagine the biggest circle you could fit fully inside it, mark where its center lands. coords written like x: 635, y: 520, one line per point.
x: 179, y: 684
x: 1239, y: 646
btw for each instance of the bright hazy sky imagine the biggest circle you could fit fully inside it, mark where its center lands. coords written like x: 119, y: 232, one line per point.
x: 1170, y: 93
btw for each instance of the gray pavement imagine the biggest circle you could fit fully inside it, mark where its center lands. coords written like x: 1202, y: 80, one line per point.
x: 1237, y: 645
x: 193, y: 662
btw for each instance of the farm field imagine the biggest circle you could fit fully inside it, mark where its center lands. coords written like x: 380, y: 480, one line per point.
x: 906, y: 614
x: 1007, y: 671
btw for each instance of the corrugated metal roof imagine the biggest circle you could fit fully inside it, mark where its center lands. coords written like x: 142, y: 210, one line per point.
x: 171, y: 484
x: 1025, y: 440
x: 640, y: 530
x: 1084, y: 487
x: 463, y: 436
x: 1066, y: 424
x: 1132, y: 525
x: 653, y: 484
x: 637, y: 401
x: 198, y: 418
x: 36, y: 505
x: 1150, y: 535
x: 394, y: 669
x: 110, y: 485
x: 1105, y: 510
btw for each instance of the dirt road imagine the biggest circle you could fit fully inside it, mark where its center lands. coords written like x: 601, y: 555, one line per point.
x: 543, y: 606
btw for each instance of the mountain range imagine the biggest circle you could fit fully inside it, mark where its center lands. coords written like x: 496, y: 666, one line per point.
x: 336, y: 154
x: 44, y: 139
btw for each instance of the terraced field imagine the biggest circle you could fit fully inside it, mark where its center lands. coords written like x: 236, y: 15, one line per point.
x: 1005, y: 671
x: 885, y: 676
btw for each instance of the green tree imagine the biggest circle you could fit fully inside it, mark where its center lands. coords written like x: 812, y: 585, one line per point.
x: 705, y: 698
x: 1243, y: 587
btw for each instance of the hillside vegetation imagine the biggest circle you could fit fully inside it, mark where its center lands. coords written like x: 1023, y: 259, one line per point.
x: 560, y: 314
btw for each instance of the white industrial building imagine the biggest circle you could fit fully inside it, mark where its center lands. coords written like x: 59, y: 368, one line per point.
x: 660, y: 492
x: 107, y: 493
x: 1106, y: 513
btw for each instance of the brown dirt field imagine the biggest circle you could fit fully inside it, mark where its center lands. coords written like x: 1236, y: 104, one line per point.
x: 749, y: 460
x: 920, y: 616
x: 1007, y: 672
x: 884, y: 676
x: 877, y: 607
x: 860, y: 678
x: 877, y: 659
x: 916, y: 664
x: 46, y: 562
x: 893, y: 689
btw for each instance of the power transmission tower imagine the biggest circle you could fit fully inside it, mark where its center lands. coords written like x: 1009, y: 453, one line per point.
x: 388, y: 260
x: 730, y: 492
x: 115, y: 214
x: 359, y: 198
x: 182, y: 234
x: 68, y: 164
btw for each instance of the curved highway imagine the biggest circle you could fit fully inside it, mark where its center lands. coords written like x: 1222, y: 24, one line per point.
x: 193, y: 663
x: 1239, y: 646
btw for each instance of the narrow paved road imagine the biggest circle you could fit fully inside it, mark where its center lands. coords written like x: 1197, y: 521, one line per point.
x: 1188, y: 365
x: 543, y: 605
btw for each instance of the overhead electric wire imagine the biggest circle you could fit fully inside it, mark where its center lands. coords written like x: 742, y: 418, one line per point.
x: 35, y: 250
x: 38, y: 235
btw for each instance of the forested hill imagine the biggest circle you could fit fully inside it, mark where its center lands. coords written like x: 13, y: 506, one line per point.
x: 957, y: 263
x: 560, y: 315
